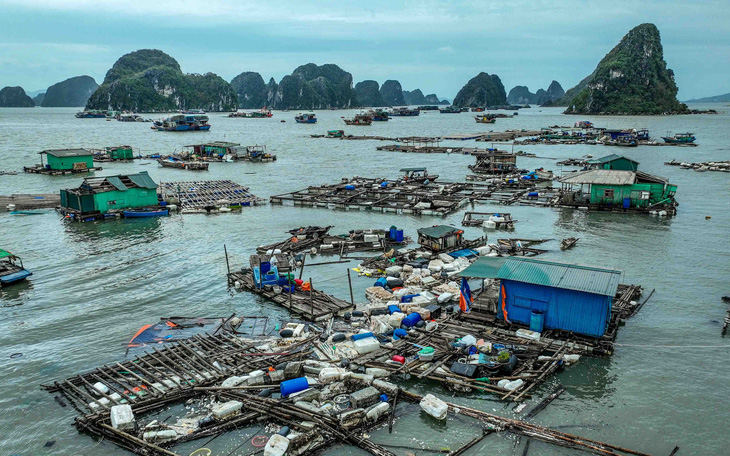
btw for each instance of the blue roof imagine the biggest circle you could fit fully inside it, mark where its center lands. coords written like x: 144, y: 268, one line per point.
x: 561, y: 275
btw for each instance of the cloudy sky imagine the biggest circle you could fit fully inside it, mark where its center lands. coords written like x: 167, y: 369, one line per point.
x: 433, y: 45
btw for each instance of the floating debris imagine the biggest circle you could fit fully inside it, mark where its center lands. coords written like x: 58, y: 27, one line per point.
x: 568, y: 243
x: 722, y: 166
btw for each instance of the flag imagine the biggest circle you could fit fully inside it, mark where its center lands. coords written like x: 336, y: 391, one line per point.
x: 465, y: 297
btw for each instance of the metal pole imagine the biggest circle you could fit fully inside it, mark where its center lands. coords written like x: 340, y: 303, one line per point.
x: 311, y: 298
x: 228, y: 265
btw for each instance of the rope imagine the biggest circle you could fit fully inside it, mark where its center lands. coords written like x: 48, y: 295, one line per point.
x: 672, y: 346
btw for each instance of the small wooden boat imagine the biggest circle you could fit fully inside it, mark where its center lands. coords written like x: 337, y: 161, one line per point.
x: 174, y: 162
x: 486, y: 118
x: 679, y: 138
x: 146, y: 212
x: 360, y: 119
x: 418, y: 175
x: 568, y: 243
x: 26, y: 213
x: 11, y: 269
x: 308, y: 118
x: 500, y: 221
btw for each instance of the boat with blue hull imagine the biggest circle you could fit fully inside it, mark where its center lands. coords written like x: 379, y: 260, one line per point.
x: 680, y: 138
x: 405, y: 112
x: 11, y: 269
x: 308, y: 118
x: 183, y: 122
x: 143, y: 213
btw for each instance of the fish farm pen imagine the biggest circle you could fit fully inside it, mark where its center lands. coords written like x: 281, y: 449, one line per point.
x: 319, y: 239
x: 425, y: 149
x: 207, y: 195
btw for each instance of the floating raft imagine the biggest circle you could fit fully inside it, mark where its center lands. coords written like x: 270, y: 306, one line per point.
x: 58, y: 172
x: 208, y: 194
x: 400, y: 196
x: 435, y: 149
x: 27, y: 201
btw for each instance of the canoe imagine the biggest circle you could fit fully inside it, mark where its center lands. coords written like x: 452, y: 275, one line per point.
x: 145, y: 213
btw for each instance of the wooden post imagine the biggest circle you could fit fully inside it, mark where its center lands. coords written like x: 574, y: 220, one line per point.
x: 349, y: 282
x: 311, y: 298
x: 228, y: 265
x: 301, y: 271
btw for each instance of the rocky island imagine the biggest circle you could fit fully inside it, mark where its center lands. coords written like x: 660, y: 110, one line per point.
x: 632, y: 79
x: 521, y: 95
x: 392, y: 93
x: 368, y: 93
x: 72, y: 92
x: 149, y: 80
x: 482, y: 90
x: 15, y: 97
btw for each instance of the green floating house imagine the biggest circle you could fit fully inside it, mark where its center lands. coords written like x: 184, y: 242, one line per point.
x: 613, y: 161
x: 120, y: 152
x: 67, y: 159
x: 98, y: 195
x: 618, y: 189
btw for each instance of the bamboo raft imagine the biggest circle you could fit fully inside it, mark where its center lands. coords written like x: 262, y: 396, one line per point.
x: 206, y: 195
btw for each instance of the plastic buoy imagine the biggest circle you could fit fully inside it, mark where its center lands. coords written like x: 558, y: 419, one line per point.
x: 266, y: 392
x: 283, y: 431
x: 357, y: 313
x: 399, y: 359
x: 338, y: 337
x: 286, y: 333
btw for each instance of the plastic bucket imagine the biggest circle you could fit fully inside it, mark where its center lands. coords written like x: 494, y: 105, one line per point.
x: 399, y: 236
x: 537, y: 321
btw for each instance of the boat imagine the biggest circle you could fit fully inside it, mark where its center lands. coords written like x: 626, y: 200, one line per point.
x: 679, y: 138
x: 308, y: 118
x: 263, y: 113
x: 378, y: 115
x: 191, y: 111
x: 129, y: 117
x: 90, y: 114
x: 11, y: 269
x: 500, y: 221
x: 146, y: 212
x: 336, y: 133
x: 428, y: 108
x: 486, y: 118
x: 450, y: 110
x: 568, y: 243
x: 360, y: 119
x: 404, y: 112
x: 183, y: 122
x: 477, y: 109
x: 26, y: 213
x: 418, y: 175
x: 175, y: 162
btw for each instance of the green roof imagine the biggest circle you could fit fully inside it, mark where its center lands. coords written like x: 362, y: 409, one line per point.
x: 5, y: 254
x: 561, y: 275
x: 610, y: 158
x: 485, y: 267
x: 143, y: 180
x: 438, y: 231
x: 62, y: 153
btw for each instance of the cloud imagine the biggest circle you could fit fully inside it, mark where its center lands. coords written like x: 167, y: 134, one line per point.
x: 445, y: 49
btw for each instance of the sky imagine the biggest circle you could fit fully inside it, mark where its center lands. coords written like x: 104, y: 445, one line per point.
x: 436, y: 46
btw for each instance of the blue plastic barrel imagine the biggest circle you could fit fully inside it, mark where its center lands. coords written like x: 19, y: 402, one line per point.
x: 293, y: 386
x: 411, y: 320
x: 532, y: 194
x: 399, y: 333
x: 381, y: 282
x: 399, y: 236
x: 537, y: 321
x: 393, y: 231
x: 393, y: 308
x: 349, y: 187
x: 408, y: 298
x: 355, y: 337
x: 265, y: 267
x: 627, y: 203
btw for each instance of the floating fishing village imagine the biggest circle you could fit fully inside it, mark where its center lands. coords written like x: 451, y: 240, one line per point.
x: 475, y: 276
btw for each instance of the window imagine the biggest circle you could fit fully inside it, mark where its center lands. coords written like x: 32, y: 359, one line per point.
x: 608, y: 193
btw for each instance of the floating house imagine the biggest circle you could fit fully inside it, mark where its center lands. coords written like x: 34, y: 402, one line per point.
x: 621, y: 189
x: 614, y: 161
x: 99, y: 195
x: 215, y: 149
x: 64, y: 161
x: 493, y: 161
x: 551, y: 295
x: 440, y: 237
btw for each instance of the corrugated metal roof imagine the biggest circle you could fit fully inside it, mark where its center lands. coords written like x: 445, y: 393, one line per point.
x: 143, y: 180
x: 610, y: 158
x: 561, y: 275
x: 484, y: 268
x: 61, y: 153
x: 438, y: 231
x: 600, y: 176
x: 117, y: 182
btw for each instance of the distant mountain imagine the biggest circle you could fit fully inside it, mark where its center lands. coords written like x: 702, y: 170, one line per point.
x: 631, y: 79
x: 38, y: 99
x: 415, y: 97
x: 315, y: 87
x: 392, y: 93
x: 149, y: 80
x: 368, y: 93
x: 15, y: 97
x: 717, y: 98
x: 482, y: 90
x: 251, y: 90
x: 72, y: 92
x: 521, y: 95
x: 34, y: 93
x: 432, y: 99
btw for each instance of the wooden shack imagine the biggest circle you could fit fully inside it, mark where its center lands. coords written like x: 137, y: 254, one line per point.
x: 618, y: 188
x: 67, y: 159
x: 613, y: 161
x: 494, y: 162
x: 440, y: 237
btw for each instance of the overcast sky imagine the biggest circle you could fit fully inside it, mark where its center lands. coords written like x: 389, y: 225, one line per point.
x: 436, y: 46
